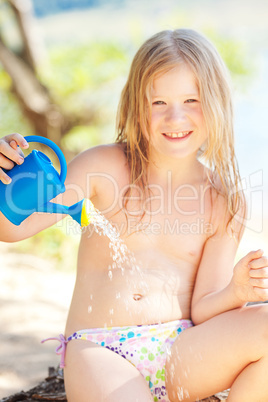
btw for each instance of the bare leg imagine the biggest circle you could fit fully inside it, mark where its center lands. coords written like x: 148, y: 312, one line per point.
x: 228, y: 351
x: 94, y: 373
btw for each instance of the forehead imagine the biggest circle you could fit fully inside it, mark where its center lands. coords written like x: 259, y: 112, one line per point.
x: 178, y: 80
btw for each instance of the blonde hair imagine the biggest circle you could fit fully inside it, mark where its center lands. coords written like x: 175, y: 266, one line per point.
x: 157, y: 55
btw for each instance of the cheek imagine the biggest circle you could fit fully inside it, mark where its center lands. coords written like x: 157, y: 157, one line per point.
x: 199, y: 118
x: 155, y: 119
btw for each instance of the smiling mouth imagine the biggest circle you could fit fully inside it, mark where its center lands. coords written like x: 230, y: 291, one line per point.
x: 182, y: 134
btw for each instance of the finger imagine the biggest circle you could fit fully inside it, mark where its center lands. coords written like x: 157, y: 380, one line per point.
x: 4, y: 177
x: 6, y: 163
x: 15, y: 146
x: 7, y: 151
x: 252, y: 255
x: 261, y: 294
x: 259, y: 262
x: 259, y: 283
x: 18, y: 138
x: 259, y: 273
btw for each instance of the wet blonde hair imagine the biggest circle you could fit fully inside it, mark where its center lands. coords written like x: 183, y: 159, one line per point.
x: 159, y: 54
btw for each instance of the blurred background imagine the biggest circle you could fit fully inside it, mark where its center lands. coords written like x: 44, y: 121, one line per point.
x: 63, y: 64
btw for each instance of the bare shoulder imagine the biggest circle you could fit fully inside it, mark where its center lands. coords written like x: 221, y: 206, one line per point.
x: 98, y: 168
x: 101, y: 157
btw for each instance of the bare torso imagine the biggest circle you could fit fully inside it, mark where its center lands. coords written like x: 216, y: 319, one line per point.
x: 167, y: 245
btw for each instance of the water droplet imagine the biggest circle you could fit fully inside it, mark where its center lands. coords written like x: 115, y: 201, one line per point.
x: 122, y: 258
x: 89, y: 309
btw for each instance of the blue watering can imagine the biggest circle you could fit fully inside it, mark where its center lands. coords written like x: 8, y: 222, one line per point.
x: 35, y: 183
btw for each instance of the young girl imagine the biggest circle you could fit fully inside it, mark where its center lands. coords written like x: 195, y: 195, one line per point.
x: 177, y: 328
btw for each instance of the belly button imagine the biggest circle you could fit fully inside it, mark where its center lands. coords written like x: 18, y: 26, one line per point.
x: 137, y: 296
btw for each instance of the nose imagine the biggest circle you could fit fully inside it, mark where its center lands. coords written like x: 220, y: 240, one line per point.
x: 176, y: 114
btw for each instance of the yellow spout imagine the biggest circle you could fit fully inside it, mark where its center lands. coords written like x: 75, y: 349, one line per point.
x: 87, y: 213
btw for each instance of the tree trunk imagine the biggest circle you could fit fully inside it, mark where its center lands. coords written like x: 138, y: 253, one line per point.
x: 34, y: 98
x: 32, y: 48
x: 46, y: 117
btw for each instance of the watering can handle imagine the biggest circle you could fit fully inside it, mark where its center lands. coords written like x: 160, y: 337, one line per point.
x: 55, y: 148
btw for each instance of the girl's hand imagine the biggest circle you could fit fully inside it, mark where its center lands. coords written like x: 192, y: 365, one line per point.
x: 250, y: 278
x: 10, y: 153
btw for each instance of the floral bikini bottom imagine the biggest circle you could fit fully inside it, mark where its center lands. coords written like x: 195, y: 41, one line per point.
x: 145, y: 346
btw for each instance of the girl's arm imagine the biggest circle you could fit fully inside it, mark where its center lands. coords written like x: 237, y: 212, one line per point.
x: 219, y: 285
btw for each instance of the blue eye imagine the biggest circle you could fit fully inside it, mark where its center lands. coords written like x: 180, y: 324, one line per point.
x: 159, y: 103
x: 190, y: 101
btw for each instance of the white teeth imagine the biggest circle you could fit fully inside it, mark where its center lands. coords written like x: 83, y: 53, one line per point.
x: 177, y: 135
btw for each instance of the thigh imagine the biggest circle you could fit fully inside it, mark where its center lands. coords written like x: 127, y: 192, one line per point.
x: 207, y: 358
x: 94, y: 373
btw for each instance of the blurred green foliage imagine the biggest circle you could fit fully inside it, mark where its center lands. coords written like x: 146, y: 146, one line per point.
x: 83, y: 80
x: 82, y: 137
x: 235, y: 54
x: 11, y: 117
x: 76, y: 69
x: 86, y: 80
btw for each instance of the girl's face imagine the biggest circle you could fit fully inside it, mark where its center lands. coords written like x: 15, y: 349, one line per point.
x: 177, y: 126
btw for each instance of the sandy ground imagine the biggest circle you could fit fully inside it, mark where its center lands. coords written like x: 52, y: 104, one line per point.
x: 34, y: 301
